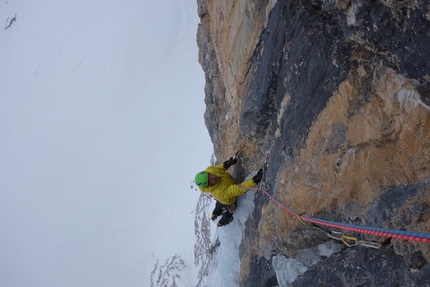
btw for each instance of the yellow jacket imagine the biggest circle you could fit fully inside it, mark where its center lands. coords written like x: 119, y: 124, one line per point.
x: 226, y: 190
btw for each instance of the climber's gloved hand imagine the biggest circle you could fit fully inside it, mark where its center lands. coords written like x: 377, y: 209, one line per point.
x: 230, y: 162
x: 257, y: 178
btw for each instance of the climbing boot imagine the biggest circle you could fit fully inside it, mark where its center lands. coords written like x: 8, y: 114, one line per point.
x: 224, y: 222
x: 214, y: 216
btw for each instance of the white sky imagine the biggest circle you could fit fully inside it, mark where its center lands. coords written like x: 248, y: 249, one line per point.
x: 102, y: 131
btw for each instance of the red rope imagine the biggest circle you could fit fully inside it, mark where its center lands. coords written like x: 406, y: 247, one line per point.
x: 405, y: 235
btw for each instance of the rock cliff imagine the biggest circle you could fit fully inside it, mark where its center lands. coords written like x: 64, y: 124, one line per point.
x: 337, y: 93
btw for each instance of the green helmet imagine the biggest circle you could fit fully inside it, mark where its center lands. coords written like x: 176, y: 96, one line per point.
x: 202, y: 179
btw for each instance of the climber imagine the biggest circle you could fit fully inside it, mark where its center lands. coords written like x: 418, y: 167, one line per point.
x: 222, y: 186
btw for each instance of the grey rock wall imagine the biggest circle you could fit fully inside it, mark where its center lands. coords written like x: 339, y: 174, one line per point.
x: 336, y: 93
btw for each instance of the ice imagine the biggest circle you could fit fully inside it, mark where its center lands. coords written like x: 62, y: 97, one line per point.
x: 288, y: 269
x: 226, y: 262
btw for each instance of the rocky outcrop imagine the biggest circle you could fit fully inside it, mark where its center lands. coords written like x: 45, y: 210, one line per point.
x: 338, y: 94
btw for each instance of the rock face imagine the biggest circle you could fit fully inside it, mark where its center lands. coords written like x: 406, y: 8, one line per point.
x: 337, y: 93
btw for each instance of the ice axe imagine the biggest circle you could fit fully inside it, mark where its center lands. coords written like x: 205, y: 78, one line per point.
x: 238, y: 151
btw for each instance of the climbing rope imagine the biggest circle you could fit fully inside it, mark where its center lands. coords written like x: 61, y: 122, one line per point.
x: 349, y: 241
x: 383, y: 232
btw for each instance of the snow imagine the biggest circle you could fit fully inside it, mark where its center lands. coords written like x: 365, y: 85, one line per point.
x: 225, y: 267
x: 101, y: 116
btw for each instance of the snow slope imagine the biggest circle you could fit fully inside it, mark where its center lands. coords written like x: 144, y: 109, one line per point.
x: 102, y: 131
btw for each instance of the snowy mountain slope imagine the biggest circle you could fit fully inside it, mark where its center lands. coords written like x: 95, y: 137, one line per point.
x: 98, y: 140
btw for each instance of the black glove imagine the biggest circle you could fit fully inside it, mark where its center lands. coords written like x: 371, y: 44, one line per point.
x: 257, y: 178
x: 230, y: 162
